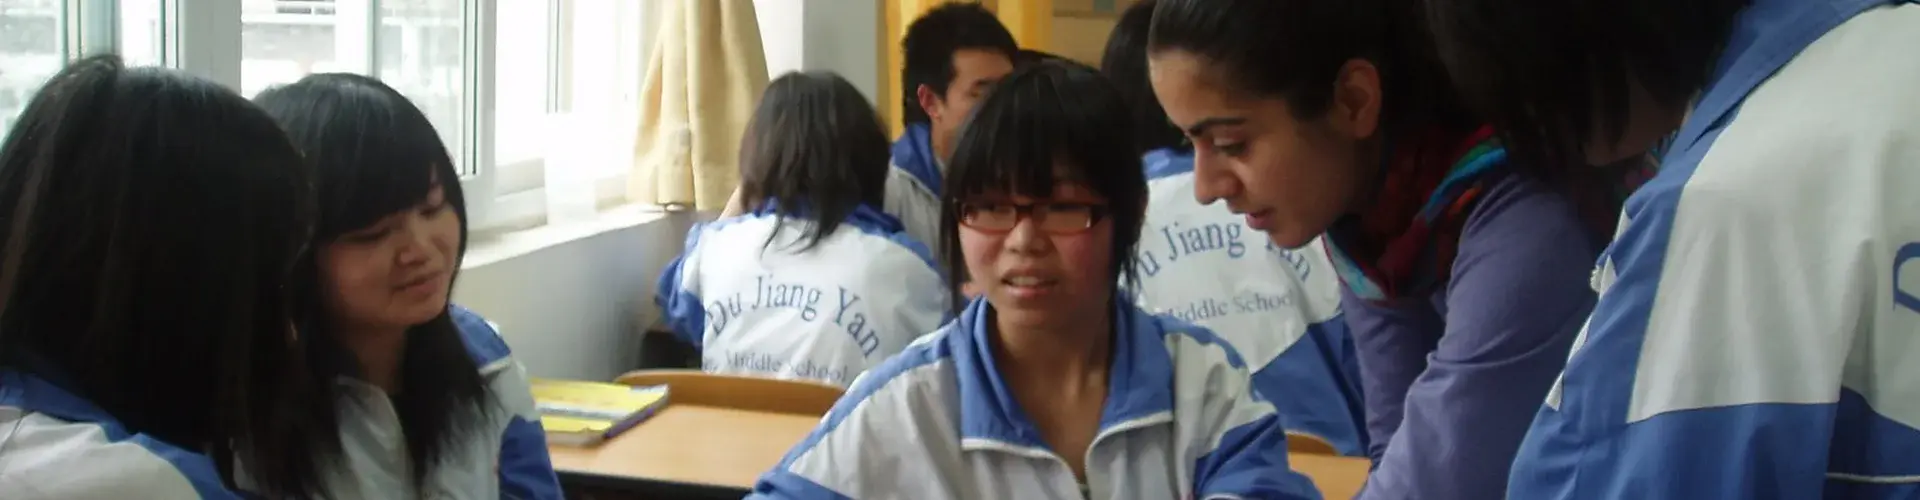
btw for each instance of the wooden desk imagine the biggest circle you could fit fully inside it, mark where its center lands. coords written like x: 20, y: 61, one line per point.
x: 1339, y: 478
x: 689, y: 451
x: 685, y: 451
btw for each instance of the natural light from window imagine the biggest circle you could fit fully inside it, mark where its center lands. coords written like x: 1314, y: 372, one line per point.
x: 560, y: 78
x: 29, y: 52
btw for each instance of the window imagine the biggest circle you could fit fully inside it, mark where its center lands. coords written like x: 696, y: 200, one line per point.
x: 567, y: 108
x: 142, y: 41
x: 283, y: 40
x: 527, y: 94
x: 420, y: 53
x: 30, y: 52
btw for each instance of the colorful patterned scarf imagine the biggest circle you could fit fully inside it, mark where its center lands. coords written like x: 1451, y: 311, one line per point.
x: 1405, y: 244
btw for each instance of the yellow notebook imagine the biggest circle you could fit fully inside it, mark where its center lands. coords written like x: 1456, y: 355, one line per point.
x: 585, y: 413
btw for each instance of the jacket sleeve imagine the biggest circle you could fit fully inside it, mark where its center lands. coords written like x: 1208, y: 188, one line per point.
x: 1518, y: 295
x: 1732, y: 356
x: 1250, y: 460
x: 526, y: 470
x: 680, y: 306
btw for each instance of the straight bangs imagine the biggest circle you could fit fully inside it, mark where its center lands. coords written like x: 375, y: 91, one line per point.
x: 386, y: 177
x: 375, y: 152
x: 1051, y: 122
x: 1041, y: 127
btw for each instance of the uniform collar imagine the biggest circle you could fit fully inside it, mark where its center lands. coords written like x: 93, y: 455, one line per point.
x: 1767, y: 35
x: 863, y: 216
x: 37, y: 392
x: 1139, y: 385
x: 913, y: 152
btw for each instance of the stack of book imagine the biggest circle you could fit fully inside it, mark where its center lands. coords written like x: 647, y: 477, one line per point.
x: 575, y: 413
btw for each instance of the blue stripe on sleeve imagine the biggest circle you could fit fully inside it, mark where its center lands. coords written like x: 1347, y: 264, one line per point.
x: 1251, y: 462
x: 526, y: 470
x: 685, y: 313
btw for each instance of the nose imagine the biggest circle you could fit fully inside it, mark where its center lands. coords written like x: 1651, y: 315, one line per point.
x: 1026, y: 238
x: 1212, y: 180
x: 417, y: 247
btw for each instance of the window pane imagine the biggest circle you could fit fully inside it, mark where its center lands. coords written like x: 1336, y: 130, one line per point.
x: 29, y: 53
x: 419, y: 51
x: 604, y: 59
x: 142, y: 37
x: 521, y: 73
x: 283, y: 40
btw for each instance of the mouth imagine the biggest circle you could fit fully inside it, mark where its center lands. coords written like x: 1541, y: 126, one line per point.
x: 1028, y: 285
x: 1260, y: 220
x: 420, y: 283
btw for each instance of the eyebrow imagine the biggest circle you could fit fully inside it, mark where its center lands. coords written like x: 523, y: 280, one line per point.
x: 1201, y: 127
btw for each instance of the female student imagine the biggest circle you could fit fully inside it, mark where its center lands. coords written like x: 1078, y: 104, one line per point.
x: 436, y: 404
x: 1756, y: 330
x: 1464, y: 278
x: 814, y: 282
x: 1053, y: 385
x: 149, y: 225
x: 1280, y: 308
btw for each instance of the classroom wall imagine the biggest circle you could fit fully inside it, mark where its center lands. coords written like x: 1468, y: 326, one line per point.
x: 836, y: 35
x: 573, y: 299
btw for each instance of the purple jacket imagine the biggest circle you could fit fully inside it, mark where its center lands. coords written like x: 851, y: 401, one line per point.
x: 1452, y: 382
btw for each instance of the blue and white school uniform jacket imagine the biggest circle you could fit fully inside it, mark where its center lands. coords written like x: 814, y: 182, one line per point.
x: 1280, y: 308
x: 507, y: 459
x: 823, y: 315
x: 937, y: 423
x: 913, y: 185
x: 1758, y: 329
x: 56, y: 446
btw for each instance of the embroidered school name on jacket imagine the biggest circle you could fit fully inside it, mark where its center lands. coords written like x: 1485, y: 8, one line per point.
x: 936, y: 422
x: 825, y: 314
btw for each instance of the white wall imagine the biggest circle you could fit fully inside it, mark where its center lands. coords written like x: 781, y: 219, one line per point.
x: 573, y: 299
x: 832, y: 35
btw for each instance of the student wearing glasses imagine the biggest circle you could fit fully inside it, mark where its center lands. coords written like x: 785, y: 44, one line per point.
x: 1279, y: 307
x: 814, y: 282
x: 1759, y: 316
x: 1052, y: 385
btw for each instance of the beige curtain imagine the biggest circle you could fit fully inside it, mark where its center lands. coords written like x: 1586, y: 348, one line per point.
x: 703, y: 79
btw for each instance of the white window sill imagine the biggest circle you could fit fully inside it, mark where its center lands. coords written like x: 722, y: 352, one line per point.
x: 488, y: 247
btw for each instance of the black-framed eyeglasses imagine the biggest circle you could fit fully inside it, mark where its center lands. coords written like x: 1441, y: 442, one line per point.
x: 1053, y: 218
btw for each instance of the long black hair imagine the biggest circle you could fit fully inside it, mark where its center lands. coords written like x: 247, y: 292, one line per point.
x: 1125, y: 63
x: 150, y: 224
x: 1294, y: 49
x: 1550, y: 74
x: 817, y: 150
x: 377, y: 154
x: 1050, y: 113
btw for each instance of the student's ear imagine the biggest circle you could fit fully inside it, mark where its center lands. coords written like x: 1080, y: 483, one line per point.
x: 928, y: 99
x: 1356, y: 99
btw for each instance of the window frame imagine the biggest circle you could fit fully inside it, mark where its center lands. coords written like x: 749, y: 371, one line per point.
x: 203, y: 37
